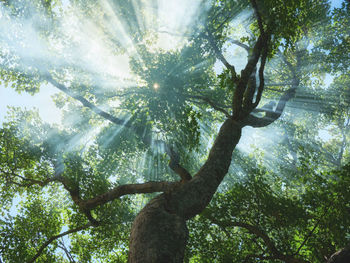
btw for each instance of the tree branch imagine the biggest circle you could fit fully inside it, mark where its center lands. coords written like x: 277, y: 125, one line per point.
x: 258, y: 16
x: 53, y: 238
x: 312, y: 230
x: 86, y: 103
x: 212, y: 104
x: 295, y: 81
x: 174, y: 164
x: 270, y: 116
x: 261, y: 78
x: 341, y: 256
x: 221, y: 57
x: 244, y: 90
x: 149, y: 187
x: 344, y: 140
x: 240, y: 44
x: 290, y: 146
x: 255, y: 230
x: 64, y: 248
x: 237, y: 100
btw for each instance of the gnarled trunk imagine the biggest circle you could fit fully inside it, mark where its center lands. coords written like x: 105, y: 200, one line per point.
x: 159, y: 232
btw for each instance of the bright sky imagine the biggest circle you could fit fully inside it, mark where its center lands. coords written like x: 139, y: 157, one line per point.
x: 41, y: 101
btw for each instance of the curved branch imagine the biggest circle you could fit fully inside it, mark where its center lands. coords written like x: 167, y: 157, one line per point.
x: 27, y: 182
x: 240, y: 44
x: 87, y: 205
x: 260, y: 45
x: 245, y: 92
x: 64, y: 248
x: 261, y: 78
x: 341, y: 256
x: 270, y: 116
x: 251, y: 229
x: 174, y: 164
x: 149, y: 187
x: 53, y: 238
x: 255, y: 230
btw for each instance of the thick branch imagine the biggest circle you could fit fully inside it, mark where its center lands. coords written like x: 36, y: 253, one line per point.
x: 174, y: 164
x: 191, y: 198
x: 249, y: 92
x: 270, y: 116
x: 53, y: 238
x: 243, y: 89
x: 258, y: 16
x: 149, y: 187
x: 245, y: 75
x: 261, y: 78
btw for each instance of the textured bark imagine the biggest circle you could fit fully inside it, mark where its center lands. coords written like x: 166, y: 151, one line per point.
x: 159, y: 232
x: 157, y: 235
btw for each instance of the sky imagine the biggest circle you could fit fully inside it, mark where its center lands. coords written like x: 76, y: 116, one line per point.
x: 41, y: 101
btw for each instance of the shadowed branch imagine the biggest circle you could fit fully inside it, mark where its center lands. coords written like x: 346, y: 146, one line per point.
x: 214, y: 105
x: 246, y: 73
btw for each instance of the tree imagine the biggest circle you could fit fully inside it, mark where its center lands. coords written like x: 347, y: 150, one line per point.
x: 137, y: 134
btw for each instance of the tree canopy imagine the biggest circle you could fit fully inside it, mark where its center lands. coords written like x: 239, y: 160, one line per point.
x: 192, y: 131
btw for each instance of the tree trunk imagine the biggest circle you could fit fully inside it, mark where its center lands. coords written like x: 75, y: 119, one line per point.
x: 157, y: 235
x: 159, y: 232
